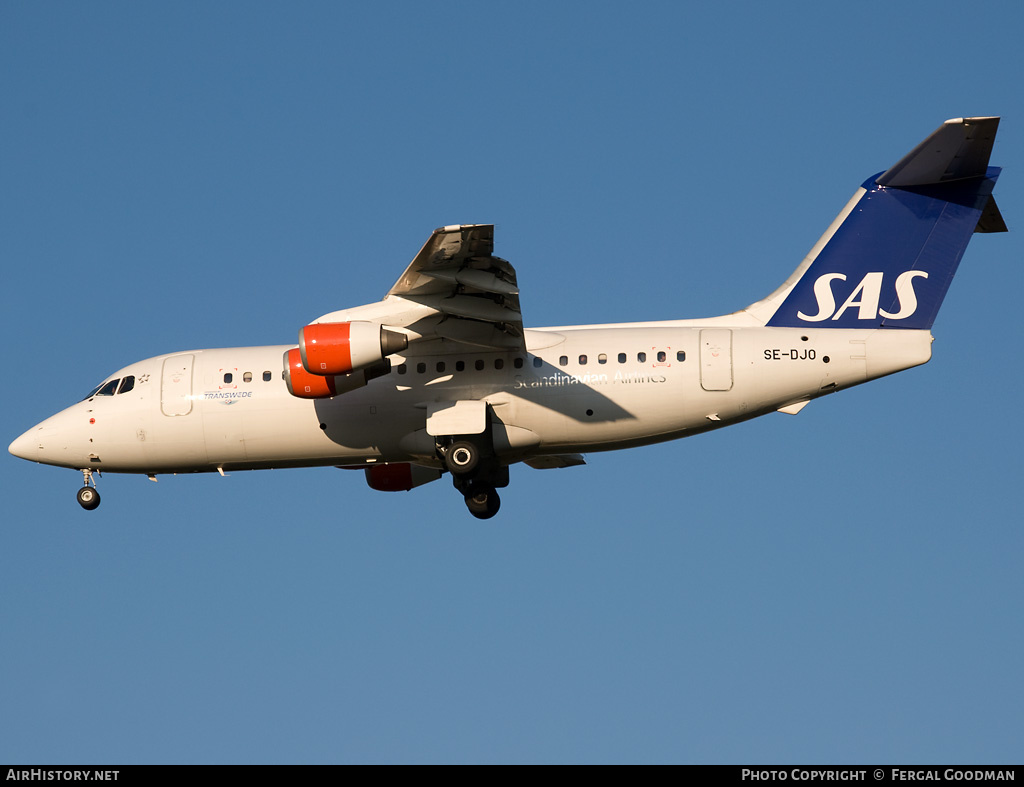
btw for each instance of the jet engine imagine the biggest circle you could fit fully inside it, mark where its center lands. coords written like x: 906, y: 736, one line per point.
x: 303, y: 384
x: 316, y: 386
x: 332, y: 348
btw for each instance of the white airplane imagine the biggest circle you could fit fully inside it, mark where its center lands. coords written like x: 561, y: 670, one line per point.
x: 441, y: 375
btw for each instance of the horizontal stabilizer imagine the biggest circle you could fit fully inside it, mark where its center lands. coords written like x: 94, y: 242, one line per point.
x: 958, y: 149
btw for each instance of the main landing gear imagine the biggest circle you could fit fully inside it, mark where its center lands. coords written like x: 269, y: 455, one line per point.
x: 483, y: 503
x: 475, y: 473
x: 88, y: 497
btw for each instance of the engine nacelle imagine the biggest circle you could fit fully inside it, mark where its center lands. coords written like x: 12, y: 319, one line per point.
x: 303, y: 384
x: 328, y: 348
x: 315, y: 386
x: 399, y: 477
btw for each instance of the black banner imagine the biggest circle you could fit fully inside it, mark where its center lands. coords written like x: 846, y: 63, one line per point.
x: 898, y: 774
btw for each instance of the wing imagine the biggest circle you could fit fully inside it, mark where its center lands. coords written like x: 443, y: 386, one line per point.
x: 472, y: 293
x: 454, y: 290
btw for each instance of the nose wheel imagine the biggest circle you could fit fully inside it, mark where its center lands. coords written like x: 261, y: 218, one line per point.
x: 88, y: 497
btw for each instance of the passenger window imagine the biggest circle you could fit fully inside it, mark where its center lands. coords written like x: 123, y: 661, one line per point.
x: 518, y: 363
x: 537, y: 362
x: 108, y: 389
x: 126, y: 384
x: 499, y: 363
x: 479, y: 365
x: 421, y: 368
x: 602, y: 358
x: 266, y: 377
x: 583, y: 360
x: 641, y: 357
x: 662, y: 356
x: 440, y: 366
x: 622, y: 357
x: 402, y: 368
x: 247, y: 377
x: 681, y: 356
x: 563, y: 360
x: 460, y: 366
x: 227, y: 377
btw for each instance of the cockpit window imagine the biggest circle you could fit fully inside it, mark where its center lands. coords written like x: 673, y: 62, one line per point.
x: 126, y: 384
x: 108, y: 389
x: 92, y: 393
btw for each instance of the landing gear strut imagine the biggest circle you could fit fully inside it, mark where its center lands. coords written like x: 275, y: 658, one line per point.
x: 475, y: 473
x: 88, y: 497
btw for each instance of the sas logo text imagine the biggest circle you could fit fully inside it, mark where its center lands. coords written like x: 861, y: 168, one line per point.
x: 864, y: 297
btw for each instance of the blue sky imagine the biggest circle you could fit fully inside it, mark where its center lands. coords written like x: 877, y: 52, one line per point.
x: 843, y: 585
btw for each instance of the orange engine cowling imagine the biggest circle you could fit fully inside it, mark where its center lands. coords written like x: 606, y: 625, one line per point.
x: 328, y: 348
x: 303, y: 384
x: 317, y: 386
x: 399, y: 477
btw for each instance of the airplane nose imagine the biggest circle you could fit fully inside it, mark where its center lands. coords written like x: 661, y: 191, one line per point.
x: 26, y: 446
x: 55, y: 441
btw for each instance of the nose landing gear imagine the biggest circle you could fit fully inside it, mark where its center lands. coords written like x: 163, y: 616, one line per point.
x: 88, y: 497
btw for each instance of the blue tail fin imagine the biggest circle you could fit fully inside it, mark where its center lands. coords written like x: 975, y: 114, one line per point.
x: 890, y: 261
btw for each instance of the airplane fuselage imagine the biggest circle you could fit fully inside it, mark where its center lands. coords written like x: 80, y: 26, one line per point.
x: 576, y: 389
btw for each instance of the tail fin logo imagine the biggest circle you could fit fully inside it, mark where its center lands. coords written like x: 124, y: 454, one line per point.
x: 865, y: 297
x: 889, y: 257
